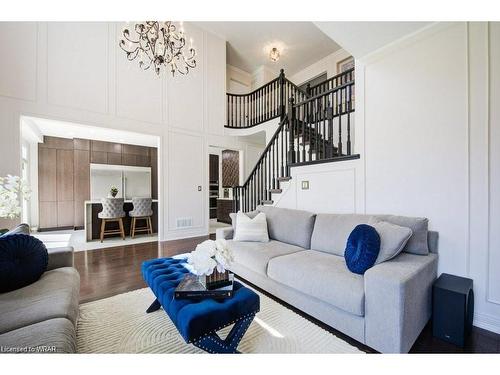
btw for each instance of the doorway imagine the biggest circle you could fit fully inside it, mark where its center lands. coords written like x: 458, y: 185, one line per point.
x: 70, y: 168
x: 225, y: 172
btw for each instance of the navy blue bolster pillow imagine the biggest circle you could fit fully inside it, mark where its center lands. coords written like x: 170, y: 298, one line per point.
x: 23, y: 259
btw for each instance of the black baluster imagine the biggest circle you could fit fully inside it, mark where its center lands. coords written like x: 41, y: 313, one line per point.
x: 339, y: 113
x: 291, y: 141
x: 349, y: 122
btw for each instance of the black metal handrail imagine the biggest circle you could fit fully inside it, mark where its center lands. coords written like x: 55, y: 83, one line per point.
x: 321, y: 125
x: 312, y: 130
x: 272, y: 164
x: 330, y: 83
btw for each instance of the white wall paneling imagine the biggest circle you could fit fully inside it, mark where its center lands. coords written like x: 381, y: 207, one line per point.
x: 77, y: 65
x: 186, y: 158
x: 46, y: 74
x: 185, y: 93
x: 215, y: 85
x: 494, y: 166
x: 18, y: 74
x: 139, y: 93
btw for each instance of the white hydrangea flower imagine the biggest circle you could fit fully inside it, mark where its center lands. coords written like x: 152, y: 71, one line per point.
x: 202, y: 263
x: 12, y: 190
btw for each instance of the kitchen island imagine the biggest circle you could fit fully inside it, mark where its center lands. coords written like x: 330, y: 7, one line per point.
x: 92, y: 221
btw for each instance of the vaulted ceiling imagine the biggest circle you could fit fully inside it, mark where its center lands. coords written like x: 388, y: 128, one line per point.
x: 249, y: 43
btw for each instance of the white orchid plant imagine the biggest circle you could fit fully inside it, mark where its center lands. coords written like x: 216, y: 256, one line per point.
x: 12, y: 190
x: 210, y: 255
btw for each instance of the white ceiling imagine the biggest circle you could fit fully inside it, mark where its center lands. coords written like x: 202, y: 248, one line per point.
x: 248, y: 44
x: 362, y: 38
x: 63, y: 129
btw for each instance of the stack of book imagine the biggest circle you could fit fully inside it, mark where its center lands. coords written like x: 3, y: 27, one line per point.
x: 192, y: 288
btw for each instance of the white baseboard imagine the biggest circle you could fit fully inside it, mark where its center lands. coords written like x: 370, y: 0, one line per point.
x: 488, y: 322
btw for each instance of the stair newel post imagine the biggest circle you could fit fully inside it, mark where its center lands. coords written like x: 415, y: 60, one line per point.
x: 308, y: 89
x: 291, y: 130
x: 282, y: 93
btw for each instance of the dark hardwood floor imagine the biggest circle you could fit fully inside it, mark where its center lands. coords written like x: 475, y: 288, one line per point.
x: 111, y: 271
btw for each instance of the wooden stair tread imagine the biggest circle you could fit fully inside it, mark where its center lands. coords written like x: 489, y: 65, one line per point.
x: 266, y: 202
x: 284, y: 178
x: 275, y: 191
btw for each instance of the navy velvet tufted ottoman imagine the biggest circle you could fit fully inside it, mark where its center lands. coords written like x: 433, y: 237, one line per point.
x: 199, y: 320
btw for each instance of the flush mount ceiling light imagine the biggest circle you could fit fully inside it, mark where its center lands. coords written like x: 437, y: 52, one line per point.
x: 274, y: 54
x: 159, y: 44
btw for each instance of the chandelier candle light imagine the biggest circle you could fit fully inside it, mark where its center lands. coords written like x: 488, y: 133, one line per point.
x: 159, y: 44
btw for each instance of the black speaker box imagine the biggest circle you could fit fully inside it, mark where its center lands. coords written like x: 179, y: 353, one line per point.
x: 452, y: 308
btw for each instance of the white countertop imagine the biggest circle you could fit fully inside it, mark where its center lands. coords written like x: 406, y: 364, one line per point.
x: 126, y: 201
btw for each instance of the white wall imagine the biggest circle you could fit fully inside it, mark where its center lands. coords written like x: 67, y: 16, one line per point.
x: 428, y: 131
x: 238, y: 81
x: 76, y: 72
x: 327, y: 64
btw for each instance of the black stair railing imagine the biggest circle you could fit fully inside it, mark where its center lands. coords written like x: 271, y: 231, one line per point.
x: 263, y: 179
x: 321, y: 126
x: 330, y: 83
x: 312, y: 129
x: 263, y: 104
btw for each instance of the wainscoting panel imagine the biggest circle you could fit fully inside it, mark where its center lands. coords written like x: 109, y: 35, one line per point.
x: 337, y: 189
x: 138, y: 92
x: 215, y: 84
x: 180, y: 87
x: 77, y: 65
x: 18, y: 41
x: 185, y: 174
x: 493, y: 286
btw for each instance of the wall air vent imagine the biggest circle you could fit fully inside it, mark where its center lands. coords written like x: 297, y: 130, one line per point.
x: 184, y: 222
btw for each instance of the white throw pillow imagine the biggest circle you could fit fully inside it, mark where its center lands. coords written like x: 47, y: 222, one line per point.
x: 393, y: 239
x: 251, y: 230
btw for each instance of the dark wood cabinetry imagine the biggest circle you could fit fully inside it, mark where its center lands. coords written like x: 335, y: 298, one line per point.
x: 213, y: 184
x: 224, y: 208
x: 81, y: 177
x: 64, y: 175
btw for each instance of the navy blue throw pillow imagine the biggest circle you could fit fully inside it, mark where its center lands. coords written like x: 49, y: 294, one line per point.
x: 363, y: 246
x: 23, y: 259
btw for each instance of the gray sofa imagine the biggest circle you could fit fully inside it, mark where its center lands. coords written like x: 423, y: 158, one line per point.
x: 41, y: 317
x: 303, y: 265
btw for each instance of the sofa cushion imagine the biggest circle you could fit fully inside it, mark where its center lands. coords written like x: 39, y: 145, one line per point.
x: 293, y: 227
x: 250, y: 214
x: 418, y: 242
x: 55, y: 295
x: 393, y: 238
x: 256, y: 255
x: 362, y: 249
x: 19, y: 229
x: 58, y: 333
x: 332, y: 230
x: 23, y: 259
x: 323, y: 276
x: 252, y: 230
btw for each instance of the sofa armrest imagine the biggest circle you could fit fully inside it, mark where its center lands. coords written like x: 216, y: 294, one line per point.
x: 60, y: 257
x: 398, y: 301
x: 224, y: 233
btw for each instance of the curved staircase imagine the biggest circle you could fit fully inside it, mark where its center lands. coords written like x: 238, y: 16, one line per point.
x: 315, y: 127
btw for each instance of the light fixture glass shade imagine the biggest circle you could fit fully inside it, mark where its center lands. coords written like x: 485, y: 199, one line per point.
x: 274, y: 54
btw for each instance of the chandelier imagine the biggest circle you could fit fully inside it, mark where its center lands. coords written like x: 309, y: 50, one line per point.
x: 159, y: 44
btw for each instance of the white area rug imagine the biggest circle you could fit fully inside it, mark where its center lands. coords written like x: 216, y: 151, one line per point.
x: 120, y: 324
